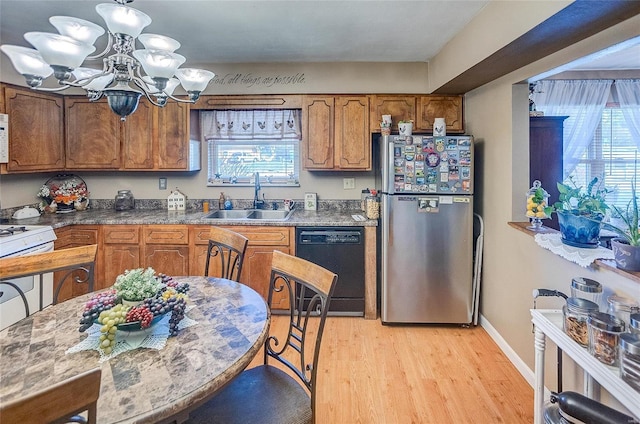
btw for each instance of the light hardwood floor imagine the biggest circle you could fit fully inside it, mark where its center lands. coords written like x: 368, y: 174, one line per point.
x: 376, y: 374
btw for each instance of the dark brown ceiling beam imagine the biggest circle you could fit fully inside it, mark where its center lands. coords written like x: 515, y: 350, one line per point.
x: 579, y: 20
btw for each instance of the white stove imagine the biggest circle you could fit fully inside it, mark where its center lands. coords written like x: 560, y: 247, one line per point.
x: 21, y: 240
x: 18, y: 240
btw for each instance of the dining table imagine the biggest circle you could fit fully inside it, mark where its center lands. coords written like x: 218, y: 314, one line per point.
x: 230, y: 322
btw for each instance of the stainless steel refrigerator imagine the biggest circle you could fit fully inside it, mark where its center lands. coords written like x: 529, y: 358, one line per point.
x: 426, y: 229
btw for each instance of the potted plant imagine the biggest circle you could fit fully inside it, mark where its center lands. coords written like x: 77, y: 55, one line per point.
x: 580, y: 212
x: 136, y: 285
x: 626, y: 247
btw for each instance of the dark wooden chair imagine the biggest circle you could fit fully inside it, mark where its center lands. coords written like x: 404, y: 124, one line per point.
x: 285, y: 392
x: 75, y: 265
x: 61, y: 402
x: 228, y: 248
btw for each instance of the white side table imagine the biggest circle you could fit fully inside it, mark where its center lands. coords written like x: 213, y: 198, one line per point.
x: 548, y: 323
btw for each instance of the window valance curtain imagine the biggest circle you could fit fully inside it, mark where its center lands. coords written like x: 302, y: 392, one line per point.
x: 628, y: 93
x: 251, y: 124
x: 583, y: 101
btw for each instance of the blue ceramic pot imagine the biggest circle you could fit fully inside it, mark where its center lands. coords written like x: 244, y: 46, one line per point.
x: 578, y: 231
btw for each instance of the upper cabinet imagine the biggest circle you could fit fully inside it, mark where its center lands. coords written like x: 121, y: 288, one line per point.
x: 36, y: 130
x: 151, y: 138
x: 336, y: 133
x: 447, y: 107
x: 401, y: 108
x: 92, y: 135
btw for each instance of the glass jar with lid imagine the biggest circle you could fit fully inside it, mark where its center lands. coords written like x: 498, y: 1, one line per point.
x: 124, y: 200
x: 630, y: 359
x: 604, y: 336
x: 537, y: 205
x: 576, y: 312
x: 373, y: 205
x: 634, y: 323
x: 586, y: 288
x: 622, y: 307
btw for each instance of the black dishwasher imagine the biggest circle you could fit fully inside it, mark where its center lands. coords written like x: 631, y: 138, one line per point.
x: 341, y: 250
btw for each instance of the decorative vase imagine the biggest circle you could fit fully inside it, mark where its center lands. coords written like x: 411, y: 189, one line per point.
x: 64, y: 208
x: 579, y: 231
x: 627, y: 257
x: 405, y: 128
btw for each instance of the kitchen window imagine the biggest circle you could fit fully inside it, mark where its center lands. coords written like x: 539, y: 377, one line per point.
x: 601, y: 133
x: 241, y: 143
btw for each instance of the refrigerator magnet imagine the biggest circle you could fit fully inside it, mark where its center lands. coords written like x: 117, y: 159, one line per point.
x: 465, y: 172
x: 444, y: 177
x: 429, y: 147
x: 439, y: 145
x: 433, y: 160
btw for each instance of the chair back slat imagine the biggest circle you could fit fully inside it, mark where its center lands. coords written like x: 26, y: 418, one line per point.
x: 301, y: 348
x: 227, y: 249
x: 76, y: 264
x: 62, y: 401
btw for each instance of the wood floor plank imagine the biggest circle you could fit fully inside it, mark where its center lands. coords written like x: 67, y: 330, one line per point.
x: 371, y: 373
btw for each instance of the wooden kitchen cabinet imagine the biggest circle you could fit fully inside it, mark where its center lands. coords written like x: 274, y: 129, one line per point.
x: 36, y: 130
x: 401, y: 108
x: 92, y: 135
x: 172, y: 141
x: 166, y: 248
x: 336, y: 133
x: 121, y: 250
x: 448, y: 107
x: 151, y: 138
x: 74, y: 236
x: 256, y: 269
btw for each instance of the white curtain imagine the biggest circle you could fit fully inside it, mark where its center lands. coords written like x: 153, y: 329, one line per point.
x: 250, y: 124
x: 583, y: 101
x: 628, y: 93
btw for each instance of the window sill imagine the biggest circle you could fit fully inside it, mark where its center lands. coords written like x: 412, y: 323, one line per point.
x: 609, y: 265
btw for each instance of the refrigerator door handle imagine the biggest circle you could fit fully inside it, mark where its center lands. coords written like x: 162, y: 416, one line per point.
x: 389, y: 167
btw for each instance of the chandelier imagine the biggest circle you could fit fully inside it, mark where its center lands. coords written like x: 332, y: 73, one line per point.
x: 121, y: 79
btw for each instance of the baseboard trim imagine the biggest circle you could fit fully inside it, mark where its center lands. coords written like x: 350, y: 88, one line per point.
x: 517, y: 362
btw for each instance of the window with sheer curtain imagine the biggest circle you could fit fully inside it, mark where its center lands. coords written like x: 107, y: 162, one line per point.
x: 602, y: 133
x: 241, y: 143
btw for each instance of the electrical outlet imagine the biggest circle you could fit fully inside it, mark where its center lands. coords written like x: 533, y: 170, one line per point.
x: 162, y: 183
x: 348, y: 183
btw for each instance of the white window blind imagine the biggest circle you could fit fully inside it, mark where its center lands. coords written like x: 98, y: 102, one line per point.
x: 241, y: 143
x: 610, y: 154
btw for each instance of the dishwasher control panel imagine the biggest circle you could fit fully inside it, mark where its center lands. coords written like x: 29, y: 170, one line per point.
x: 329, y: 237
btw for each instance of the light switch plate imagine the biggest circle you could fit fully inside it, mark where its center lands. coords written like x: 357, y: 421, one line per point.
x: 348, y: 183
x: 162, y: 183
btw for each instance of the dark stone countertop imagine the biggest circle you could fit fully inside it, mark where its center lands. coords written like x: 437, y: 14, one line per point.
x: 333, y: 218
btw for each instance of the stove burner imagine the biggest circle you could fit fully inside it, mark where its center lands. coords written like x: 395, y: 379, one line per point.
x: 9, y: 231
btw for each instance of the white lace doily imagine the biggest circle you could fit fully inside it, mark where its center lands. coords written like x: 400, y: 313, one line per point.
x: 154, y: 337
x: 582, y: 257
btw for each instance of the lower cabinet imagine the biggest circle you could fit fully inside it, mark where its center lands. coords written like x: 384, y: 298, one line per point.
x: 75, y: 236
x: 121, y: 250
x: 175, y: 250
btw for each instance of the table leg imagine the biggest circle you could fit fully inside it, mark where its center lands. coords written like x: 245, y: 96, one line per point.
x: 538, y: 394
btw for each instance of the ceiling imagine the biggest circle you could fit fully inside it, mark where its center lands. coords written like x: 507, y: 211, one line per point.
x: 265, y: 31
x: 268, y: 31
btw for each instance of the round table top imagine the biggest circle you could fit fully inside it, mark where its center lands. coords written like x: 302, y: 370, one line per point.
x: 142, y: 385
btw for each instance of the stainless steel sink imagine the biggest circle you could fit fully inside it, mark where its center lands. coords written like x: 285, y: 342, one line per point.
x: 277, y: 215
x: 229, y: 214
x: 269, y: 214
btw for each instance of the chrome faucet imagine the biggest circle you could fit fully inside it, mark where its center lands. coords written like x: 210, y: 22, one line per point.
x: 257, y: 203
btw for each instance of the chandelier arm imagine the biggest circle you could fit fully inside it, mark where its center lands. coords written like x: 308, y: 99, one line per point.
x: 54, y: 89
x: 179, y: 100
x: 106, y: 50
x: 141, y: 85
